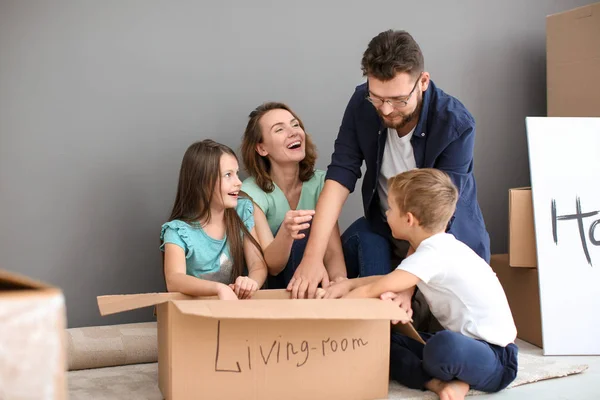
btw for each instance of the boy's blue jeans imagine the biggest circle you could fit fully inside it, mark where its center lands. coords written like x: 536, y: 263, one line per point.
x: 448, y: 356
x: 365, y: 252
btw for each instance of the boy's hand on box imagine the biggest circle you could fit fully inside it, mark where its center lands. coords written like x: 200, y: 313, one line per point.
x: 225, y: 292
x: 404, y: 301
x: 244, y: 287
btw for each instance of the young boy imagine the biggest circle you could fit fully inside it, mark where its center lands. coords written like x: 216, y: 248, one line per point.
x: 476, y: 349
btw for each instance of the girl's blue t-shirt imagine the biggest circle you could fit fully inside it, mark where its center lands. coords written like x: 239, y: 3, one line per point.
x: 205, y: 257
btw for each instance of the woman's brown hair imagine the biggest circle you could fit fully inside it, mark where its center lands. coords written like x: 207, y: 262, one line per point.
x: 259, y: 167
x: 198, y: 179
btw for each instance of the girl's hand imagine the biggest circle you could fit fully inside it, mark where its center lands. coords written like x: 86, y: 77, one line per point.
x: 296, y: 221
x: 336, y: 290
x: 226, y: 293
x: 338, y: 280
x: 244, y: 287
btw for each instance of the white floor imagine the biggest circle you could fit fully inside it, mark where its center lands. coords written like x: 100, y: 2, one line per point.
x: 584, y: 386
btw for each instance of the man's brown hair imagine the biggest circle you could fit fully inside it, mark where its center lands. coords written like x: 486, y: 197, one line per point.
x: 392, y: 52
x: 428, y: 194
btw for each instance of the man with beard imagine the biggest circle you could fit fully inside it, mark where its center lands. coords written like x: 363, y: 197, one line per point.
x: 396, y: 121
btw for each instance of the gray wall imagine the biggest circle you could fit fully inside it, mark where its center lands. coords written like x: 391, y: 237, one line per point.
x: 99, y: 100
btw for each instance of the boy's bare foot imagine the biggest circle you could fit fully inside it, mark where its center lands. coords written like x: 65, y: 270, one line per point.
x: 454, y: 390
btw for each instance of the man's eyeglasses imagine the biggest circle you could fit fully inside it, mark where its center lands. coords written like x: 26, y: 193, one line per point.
x: 394, y: 102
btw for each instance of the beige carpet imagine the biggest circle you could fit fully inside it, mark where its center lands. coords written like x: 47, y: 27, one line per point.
x: 533, y: 367
x: 98, y: 347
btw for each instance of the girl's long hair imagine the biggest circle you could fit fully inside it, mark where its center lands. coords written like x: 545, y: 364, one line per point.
x: 199, y: 181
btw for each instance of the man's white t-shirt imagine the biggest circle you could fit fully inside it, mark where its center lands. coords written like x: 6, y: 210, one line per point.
x: 398, y: 157
x: 461, y: 289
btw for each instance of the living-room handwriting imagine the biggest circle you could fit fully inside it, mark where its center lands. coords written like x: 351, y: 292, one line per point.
x: 298, y: 353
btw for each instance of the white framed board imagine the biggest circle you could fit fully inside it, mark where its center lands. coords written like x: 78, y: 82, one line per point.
x: 564, y: 159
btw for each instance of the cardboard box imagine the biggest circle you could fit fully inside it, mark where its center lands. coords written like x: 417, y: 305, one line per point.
x: 269, y: 347
x: 573, y: 62
x: 521, y: 232
x: 32, y: 339
x: 522, y: 290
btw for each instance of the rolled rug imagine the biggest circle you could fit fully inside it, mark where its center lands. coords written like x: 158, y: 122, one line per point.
x: 111, y: 345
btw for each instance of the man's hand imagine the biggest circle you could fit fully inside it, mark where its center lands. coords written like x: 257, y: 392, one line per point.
x: 226, y: 293
x: 402, y: 299
x: 244, y: 287
x: 296, y: 221
x: 306, y: 279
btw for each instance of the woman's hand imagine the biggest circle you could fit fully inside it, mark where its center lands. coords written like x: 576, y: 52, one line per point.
x: 296, y: 221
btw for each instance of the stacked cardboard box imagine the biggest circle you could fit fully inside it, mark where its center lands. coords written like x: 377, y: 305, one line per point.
x: 523, y: 293
x: 521, y: 283
x: 573, y: 89
x: 573, y: 62
x: 517, y: 270
x: 521, y: 233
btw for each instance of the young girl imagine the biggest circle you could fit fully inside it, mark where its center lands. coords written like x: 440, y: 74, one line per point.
x: 280, y: 158
x: 211, y: 229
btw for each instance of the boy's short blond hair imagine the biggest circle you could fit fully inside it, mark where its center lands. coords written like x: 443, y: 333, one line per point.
x: 428, y: 194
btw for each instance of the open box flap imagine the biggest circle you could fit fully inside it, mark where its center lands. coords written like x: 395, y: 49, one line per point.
x: 265, y: 304
x: 408, y: 330
x: 350, y: 309
x: 112, y: 304
x: 125, y: 302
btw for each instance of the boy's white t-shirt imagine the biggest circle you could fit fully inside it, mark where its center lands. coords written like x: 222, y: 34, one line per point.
x: 461, y: 289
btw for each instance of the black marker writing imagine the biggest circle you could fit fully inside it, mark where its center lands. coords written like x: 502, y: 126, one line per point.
x: 298, y: 353
x: 266, y: 361
x: 579, y: 216
x: 290, y: 346
x: 304, y: 349
x: 249, y: 358
x: 217, y: 355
